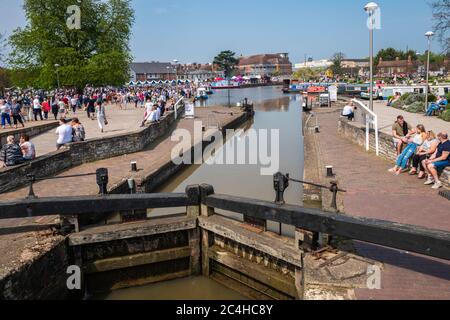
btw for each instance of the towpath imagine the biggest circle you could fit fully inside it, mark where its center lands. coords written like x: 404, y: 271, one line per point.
x: 119, y: 167
x: 373, y: 192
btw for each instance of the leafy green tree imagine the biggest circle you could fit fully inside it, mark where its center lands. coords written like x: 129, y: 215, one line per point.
x: 435, y: 58
x: 5, y: 81
x: 336, y: 68
x: 96, y: 54
x: 227, y: 61
x: 2, y: 48
x: 309, y: 74
x: 390, y: 54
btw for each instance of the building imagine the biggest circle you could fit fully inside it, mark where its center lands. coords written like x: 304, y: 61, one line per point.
x: 398, y: 67
x: 149, y: 71
x: 315, y: 64
x: 265, y: 65
x: 197, y: 72
x: 356, y: 67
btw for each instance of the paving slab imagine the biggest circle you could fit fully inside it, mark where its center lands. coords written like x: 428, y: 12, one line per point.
x: 373, y: 192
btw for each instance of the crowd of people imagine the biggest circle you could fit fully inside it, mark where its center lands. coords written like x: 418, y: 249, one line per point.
x: 21, y: 107
x: 420, y: 152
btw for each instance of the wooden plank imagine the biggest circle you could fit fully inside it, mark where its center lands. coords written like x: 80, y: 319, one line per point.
x: 434, y: 243
x: 195, y: 252
x: 280, y: 248
x: 149, y: 280
x: 132, y: 230
x: 254, y: 271
x: 136, y: 260
x: 206, y: 244
x: 91, y: 204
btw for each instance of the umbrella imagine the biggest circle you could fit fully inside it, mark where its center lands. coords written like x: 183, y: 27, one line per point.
x: 132, y: 83
x: 167, y: 82
x: 187, y: 81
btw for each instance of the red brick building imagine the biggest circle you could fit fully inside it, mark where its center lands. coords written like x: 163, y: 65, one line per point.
x: 265, y: 65
x: 398, y: 67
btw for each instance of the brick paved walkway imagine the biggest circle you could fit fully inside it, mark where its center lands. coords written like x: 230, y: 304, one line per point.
x: 120, y: 121
x: 375, y: 193
x: 387, y: 116
x: 149, y: 161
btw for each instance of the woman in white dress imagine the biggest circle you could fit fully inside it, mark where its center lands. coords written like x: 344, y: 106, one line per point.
x: 101, y: 116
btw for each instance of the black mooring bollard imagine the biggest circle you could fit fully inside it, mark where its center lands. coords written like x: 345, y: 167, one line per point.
x: 132, y: 186
x: 280, y: 184
x: 31, y: 194
x: 102, y: 180
x: 334, y: 189
x: 330, y: 173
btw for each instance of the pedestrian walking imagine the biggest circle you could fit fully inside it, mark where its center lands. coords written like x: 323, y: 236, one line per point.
x: 101, y: 116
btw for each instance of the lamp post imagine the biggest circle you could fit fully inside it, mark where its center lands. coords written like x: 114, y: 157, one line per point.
x: 175, y: 63
x: 57, y: 74
x: 429, y: 35
x: 370, y: 8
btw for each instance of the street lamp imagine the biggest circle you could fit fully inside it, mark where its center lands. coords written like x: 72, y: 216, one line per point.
x: 370, y: 8
x: 175, y: 62
x: 429, y: 35
x: 57, y: 73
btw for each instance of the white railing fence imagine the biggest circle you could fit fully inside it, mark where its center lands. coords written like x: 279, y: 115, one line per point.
x: 370, y: 118
x: 176, y: 106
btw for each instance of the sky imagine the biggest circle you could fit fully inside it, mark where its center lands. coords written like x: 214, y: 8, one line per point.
x: 196, y: 30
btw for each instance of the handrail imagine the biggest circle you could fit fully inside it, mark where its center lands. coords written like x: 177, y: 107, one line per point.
x: 92, y: 204
x: 434, y: 243
x: 175, y: 107
x: 375, y: 120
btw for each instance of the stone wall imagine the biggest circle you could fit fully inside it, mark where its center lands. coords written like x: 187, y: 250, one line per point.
x: 84, y: 152
x: 41, y: 278
x: 31, y: 131
x: 357, y: 133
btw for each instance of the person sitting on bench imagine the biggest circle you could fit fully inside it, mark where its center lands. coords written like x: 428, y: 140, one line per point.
x: 441, y: 103
x: 439, y: 161
x: 401, y: 132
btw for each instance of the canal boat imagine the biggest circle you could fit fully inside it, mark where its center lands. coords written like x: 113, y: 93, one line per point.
x: 225, y: 84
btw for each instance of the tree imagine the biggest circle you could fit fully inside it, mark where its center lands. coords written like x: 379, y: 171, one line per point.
x: 441, y: 12
x: 390, y: 54
x: 227, y: 61
x: 4, y: 80
x: 97, y: 53
x: 308, y: 74
x: 2, y: 48
x: 336, y: 68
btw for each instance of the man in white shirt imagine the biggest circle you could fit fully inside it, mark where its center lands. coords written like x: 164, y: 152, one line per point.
x: 65, y: 134
x: 73, y: 103
x: 37, y: 108
x: 349, y: 112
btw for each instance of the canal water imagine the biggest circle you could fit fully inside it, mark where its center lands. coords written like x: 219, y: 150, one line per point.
x: 273, y: 111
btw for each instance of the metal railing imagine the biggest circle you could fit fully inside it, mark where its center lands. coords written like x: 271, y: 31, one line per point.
x: 369, y: 113
x: 434, y: 243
